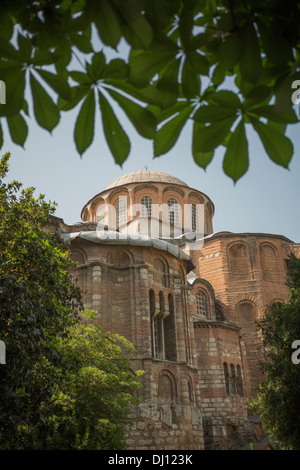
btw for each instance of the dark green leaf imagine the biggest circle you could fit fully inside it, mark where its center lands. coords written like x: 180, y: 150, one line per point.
x: 271, y: 112
x: 159, y: 12
x: 230, y: 51
x: 144, y: 65
x: 167, y: 85
x: 107, y: 24
x: 257, y: 96
x: 276, y: 46
x: 84, y: 128
x: 213, y: 113
x: 202, y: 159
x: 46, y: 112
x: 142, y: 119
x: 225, y: 98
x: 168, y: 134
x: 116, y: 138
x: 77, y: 94
x: 210, y: 137
x: 137, y: 31
x: 199, y: 63
x: 1, y: 136
x: 236, y: 162
x: 18, y: 129
x: 190, y: 80
x: 14, y: 80
x: 81, y: 42
x: 116, y: 68
x: 81, y: 77
x: 250, y: 60
x: 25, y: 48
x: 278, y: 146
x: 58, y: 84
x: 44, y: 57
x: 98, y: 64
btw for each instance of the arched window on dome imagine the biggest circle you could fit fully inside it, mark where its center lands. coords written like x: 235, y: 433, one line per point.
x: 173, y: 211
x: 146, y: 208
x: 195, y: 218
x: 121, y: 212
x: 201, y: 302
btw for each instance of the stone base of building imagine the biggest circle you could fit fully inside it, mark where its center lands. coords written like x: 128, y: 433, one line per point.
x: 165, y: 427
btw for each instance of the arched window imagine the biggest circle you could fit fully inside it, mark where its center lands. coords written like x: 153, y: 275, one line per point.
x: 206, y: 229
x: 226, y: 375
x: 100, y: 215
x: 269, y: 262
x: 232, y: 380
x: 173, y: 211
x: 165, y: 390
x: 195, y: 218
x: 191, y: 392
x: 170, y: 332
x: 159, y: 266
x: 201, y: 304
x: 239, y: 262
x: 121, y: 212
x: 239, y: 381
x: 146, y: 208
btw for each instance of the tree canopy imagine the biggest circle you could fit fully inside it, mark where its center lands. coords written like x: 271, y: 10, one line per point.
x: 66, y: 384
x: 224, y: 66
x: 278, y: 399
x: 38, y: 301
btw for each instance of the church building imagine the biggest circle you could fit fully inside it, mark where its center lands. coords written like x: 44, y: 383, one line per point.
x: 151, y: 265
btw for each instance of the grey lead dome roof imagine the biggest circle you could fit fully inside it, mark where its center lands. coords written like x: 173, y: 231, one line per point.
x: 143, y: 176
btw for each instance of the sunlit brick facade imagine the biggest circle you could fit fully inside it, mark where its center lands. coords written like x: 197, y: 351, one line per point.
x: 189, y: 307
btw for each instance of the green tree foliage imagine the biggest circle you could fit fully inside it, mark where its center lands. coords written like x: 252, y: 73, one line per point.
x: 90, y: 403
x: 65, y: 384
x: 278, y: 399
x: 38, y: 301
x: 223, y: 66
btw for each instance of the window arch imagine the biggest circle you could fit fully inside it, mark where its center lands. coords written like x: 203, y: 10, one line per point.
x: 207, y: 223
x: 201, y: 303
x: 226, y: 375
x: 239, y: 261
x: 146, y: 209
x: 269, y: 265
x: 195, y: 218
x: 173, y: 211
x: 233, y: 379
x: 166, y: 388
x: 121, y: 212
x: 163, y: 331
x: 239, y: 381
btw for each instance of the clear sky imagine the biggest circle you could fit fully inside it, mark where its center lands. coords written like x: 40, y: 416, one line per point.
x: 265, y: 200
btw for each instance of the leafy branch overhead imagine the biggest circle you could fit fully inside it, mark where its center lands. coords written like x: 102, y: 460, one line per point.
x: 223, y: 66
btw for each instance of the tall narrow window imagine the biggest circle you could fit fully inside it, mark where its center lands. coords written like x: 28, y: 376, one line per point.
x: 100, y: 215
x: 157, y: 325
x: 232, y: 380
x: 170, y: 332
x: 201, y: 304
x: 195, y: 218
x: 226, y: 376
x: 153, y: 319
x: 239, y: 381
x: 206, y: 223
x: 121, y: 212
x: 173, y: 211
x: 146, y: 208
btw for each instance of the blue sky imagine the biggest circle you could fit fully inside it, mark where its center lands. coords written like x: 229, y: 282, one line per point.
x: 265, y: 200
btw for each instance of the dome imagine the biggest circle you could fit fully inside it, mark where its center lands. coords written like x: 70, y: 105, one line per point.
x: 143, y: 176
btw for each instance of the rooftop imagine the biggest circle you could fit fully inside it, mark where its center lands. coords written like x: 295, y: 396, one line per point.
x: 144, y: 176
